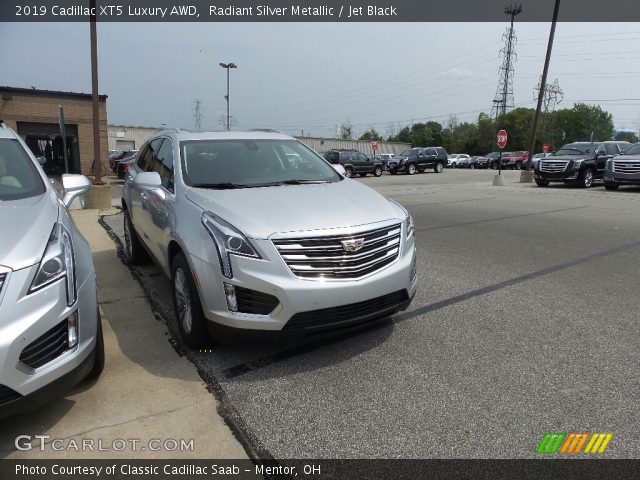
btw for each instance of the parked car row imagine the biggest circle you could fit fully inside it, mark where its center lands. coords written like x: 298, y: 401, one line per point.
x: 582, y: 163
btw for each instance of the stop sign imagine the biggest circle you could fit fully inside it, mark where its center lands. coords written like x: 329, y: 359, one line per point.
x: 374, y: 146
x: 502, y: 139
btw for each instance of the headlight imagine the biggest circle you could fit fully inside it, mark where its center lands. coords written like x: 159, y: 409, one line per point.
x: 409, y: 225
x: 58, y: 261
x: 577, y: 164
x: 228, y: 240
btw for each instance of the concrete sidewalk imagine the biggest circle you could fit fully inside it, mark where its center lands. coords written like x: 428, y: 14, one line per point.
x: 147, y: 392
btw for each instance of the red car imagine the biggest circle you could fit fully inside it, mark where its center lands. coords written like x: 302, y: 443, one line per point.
x: 515, y: 160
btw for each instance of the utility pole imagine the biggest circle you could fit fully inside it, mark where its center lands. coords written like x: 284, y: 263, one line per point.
x: 527, y: 177
x: 505, y: 85
x: 97, y: 154
x: 197, y: 114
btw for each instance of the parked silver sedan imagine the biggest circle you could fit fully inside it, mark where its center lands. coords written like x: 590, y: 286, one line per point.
x: 50, y: 333
x: 255, y: 242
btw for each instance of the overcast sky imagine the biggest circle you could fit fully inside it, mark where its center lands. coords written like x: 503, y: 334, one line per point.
x: 312, y: 76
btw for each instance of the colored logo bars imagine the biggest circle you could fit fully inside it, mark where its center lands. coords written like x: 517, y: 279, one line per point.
x: 574, y: 443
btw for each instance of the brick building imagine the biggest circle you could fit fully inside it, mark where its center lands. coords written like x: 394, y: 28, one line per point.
x: 34, y: 114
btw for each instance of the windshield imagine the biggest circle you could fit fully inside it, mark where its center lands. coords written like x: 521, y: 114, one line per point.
x: 252, y: 163
x: 577, y: 149
x: 633, y: 150
x: 19, y: 177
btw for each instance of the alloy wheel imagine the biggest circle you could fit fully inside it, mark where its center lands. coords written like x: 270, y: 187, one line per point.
x: 183, y: 300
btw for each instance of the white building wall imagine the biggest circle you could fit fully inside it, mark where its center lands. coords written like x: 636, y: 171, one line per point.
x: 128, y: 136
x: 364, y: 146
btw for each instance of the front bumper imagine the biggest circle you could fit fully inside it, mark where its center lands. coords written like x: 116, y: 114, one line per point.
x: 566, y: 176
x: 24, y: 319
x: 395, y: 167
x: 622, y: 178
x: 298, y: 296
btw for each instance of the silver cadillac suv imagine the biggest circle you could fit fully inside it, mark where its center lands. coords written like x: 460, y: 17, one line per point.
x: 50, y: 334
x: 253, y: 241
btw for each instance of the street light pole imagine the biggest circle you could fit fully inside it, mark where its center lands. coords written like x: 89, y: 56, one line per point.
x: 228, y: 66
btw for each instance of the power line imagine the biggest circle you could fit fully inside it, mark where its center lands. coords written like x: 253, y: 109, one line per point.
x: 504, y: 95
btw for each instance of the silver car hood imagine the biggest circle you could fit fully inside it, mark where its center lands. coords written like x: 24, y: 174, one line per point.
x: 627, y: 158
x: 260, y: 212
x: 26, y: 227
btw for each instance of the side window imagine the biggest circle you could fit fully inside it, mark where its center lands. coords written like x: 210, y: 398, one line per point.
x: 431, y: 151
x: 149, y: 157
x: 143, y: 158
x: 361, y: 157
x: 164, y: 164
x: 612, y: 148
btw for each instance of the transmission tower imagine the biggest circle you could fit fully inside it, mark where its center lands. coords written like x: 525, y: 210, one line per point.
x: 553, y: 95
x: 504, y: 94
x: 197, y: 114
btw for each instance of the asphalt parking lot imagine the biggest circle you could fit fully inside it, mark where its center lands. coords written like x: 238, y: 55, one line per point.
x: 525, y: 322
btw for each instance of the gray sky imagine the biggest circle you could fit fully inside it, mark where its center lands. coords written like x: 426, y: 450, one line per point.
x: 313, y: 76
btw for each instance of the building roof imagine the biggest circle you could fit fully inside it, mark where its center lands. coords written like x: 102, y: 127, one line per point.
x: 34, y: 92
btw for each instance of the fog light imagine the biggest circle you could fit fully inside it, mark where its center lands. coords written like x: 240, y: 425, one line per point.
x: 230, y: 294
x: 72, y: 329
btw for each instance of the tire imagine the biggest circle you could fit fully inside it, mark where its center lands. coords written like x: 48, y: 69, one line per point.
x: 186, y: 304
x: 410, y: 169
x: 518, y: 166
x: 472, y: 166
x: 542, y: 183
x: 348, y: 172
x: 585, y: 180
x: 98, y: 359
x: 377, y: 172
x: 492, y: 166
x: 611, y: 186
x: 438, y: 167
x: 133, y: 249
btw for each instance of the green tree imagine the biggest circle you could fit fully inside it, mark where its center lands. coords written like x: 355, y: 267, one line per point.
x: 580, y: 122
x: 345, y: 131
x: 626, y: 137
x: 371, y: 135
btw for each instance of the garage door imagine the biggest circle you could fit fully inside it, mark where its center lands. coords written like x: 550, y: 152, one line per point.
x: 124, y: 145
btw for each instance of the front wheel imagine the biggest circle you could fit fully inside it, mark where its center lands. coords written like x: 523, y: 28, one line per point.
x: 187, y: 306
x: 377, y: 172
x: 411, y: 169
x: 542, y: 183
x: 611, y: 186
x: 472, y: 166
x: 135, y: 252
x: 348, y: 172
x: 519, y: 166
x: 98, y: 358
x: 585, y: 180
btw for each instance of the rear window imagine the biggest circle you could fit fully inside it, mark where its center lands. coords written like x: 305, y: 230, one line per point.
x: 19, y: 177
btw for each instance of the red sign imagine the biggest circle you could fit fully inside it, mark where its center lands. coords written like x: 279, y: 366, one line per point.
x: 374, y: 146
x: 502, y: 139
x: 546, y: 148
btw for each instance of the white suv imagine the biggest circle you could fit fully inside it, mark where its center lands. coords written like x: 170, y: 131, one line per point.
x: 255, y: 241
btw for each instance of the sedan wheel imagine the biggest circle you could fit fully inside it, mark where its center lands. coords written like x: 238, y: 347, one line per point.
x: 348, y: 172
x: 183, y: 301
x: 411, y: 169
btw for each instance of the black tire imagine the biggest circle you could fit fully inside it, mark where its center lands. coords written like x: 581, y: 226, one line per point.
x: 585, y: 179
x: 611, y: 186
x: 438, y: 167
x: 133, y: 249
x: 98, y: 355
x: 542, y: 183
x: 348, y: 172
x: 186, y: 304
x: 519, y: 166
x: 410, y: 169
x: 377, y: 172
x: 492, y: 166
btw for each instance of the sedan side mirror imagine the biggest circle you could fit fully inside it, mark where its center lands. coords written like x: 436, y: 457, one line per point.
x: 74, y: 186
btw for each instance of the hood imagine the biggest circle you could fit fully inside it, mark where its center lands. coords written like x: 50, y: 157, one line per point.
x: 29, y: 223
x: 260, y: 212
x: 627, y: 158
x: 584, y: 156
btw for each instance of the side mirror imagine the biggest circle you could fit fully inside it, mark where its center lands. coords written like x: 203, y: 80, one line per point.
x: 148, y: 180
x: 74, y: 186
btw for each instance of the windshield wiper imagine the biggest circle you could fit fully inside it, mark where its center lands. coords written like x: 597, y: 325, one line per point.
x: 220, y: 186
x: 291, y: 182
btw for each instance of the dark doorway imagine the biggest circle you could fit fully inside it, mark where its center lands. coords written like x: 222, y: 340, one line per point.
x: 45, y: 139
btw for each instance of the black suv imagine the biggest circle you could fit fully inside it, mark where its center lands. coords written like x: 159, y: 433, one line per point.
x: 353, y: 162
x: 418, y: 160
x: 578, y: 163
